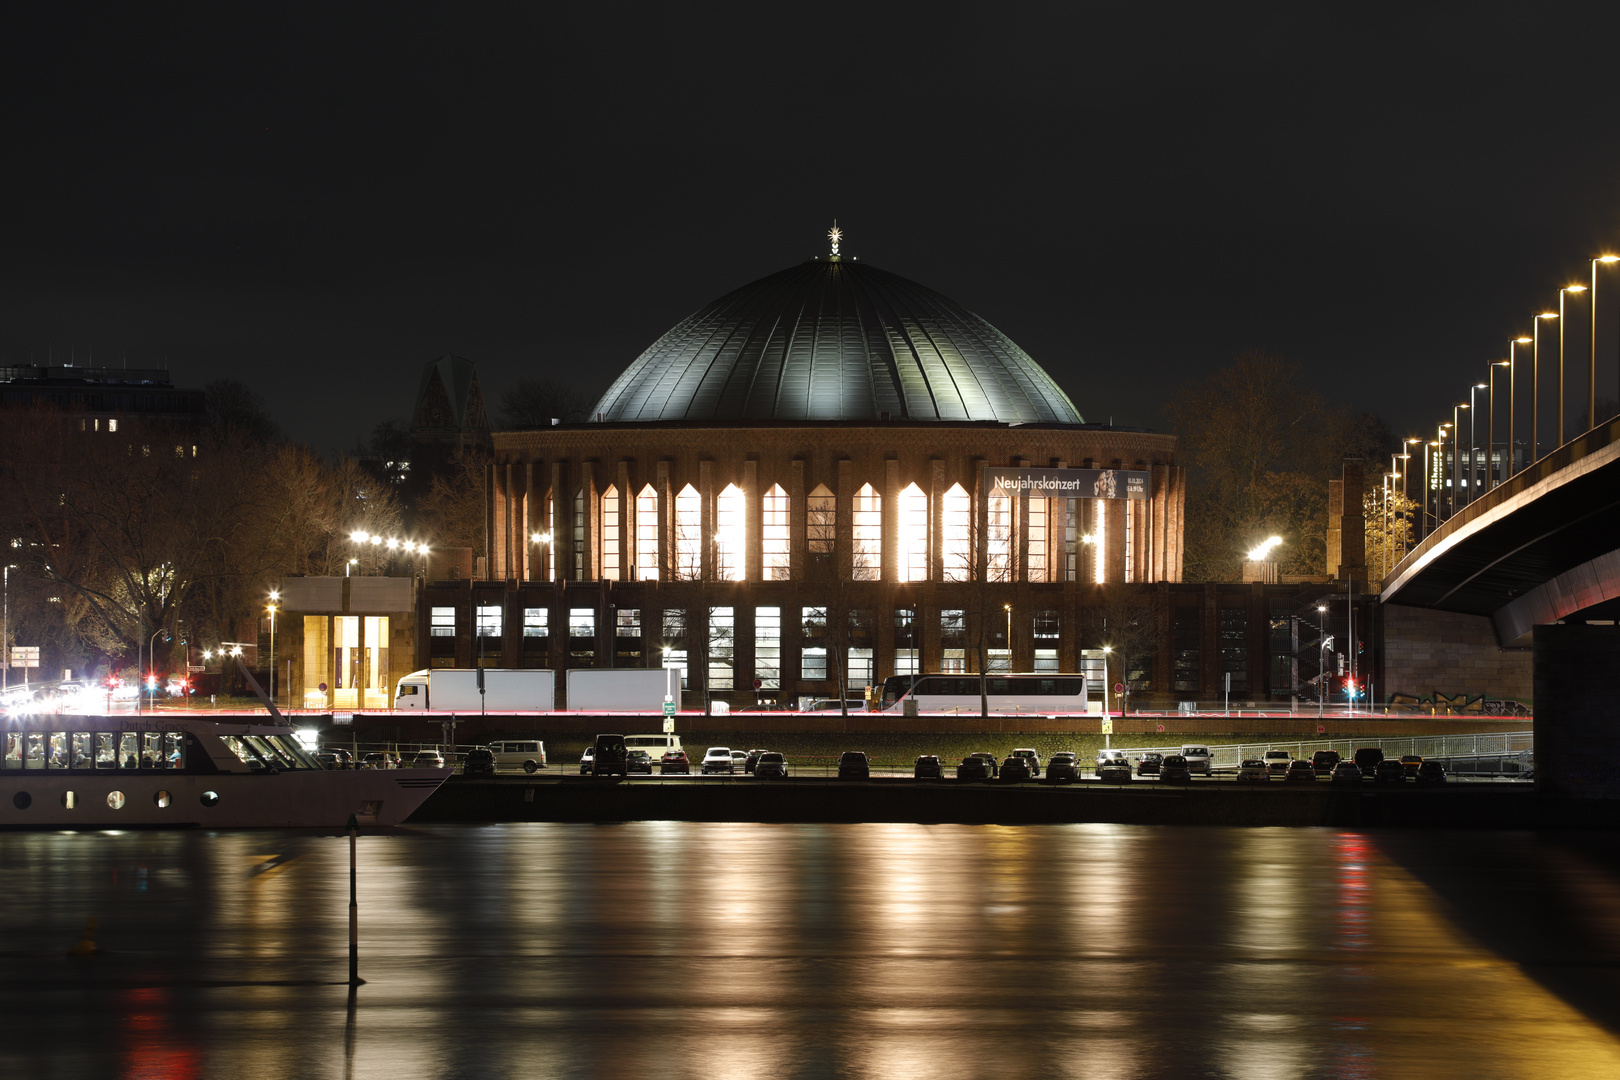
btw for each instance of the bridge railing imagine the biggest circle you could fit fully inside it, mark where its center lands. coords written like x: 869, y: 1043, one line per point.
x: 1500, y: 743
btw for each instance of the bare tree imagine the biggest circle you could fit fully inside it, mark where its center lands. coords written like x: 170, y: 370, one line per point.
x: 535, y: 403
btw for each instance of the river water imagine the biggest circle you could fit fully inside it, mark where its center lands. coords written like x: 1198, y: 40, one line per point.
x: 708, y: 950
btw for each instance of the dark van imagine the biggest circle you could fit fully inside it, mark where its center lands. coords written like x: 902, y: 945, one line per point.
x: 610, y: 756
x: 1367, y: 759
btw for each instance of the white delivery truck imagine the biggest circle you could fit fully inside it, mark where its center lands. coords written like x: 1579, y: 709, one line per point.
x: 639, y: 690
x: 456, y: 690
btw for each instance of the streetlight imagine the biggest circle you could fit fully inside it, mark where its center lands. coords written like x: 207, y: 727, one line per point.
x: 1591, y: 368
x: 1456, y: 454
x: 1535, y: 383
x: 1561, y: 322
x: 1436, y: 474
x: 1473, y: 441
x: 274, y: 596
x: 1491, y: 471
x: 1106, y: 734
x: 151, y: 645
x: 1008, y: 608
x: 1321, y: 659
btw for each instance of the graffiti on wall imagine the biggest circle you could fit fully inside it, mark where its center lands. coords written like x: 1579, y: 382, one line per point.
x: 1439, y: 703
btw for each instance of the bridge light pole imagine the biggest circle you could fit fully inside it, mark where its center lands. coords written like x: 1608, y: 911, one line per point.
x: 1591, y: 368
x: 1535, y: 384
x: 1473, y: 441
x: 1513, y: 398
x: 1437, y: 471
x: 1490, y: 434
x: 1561, y: 323
x: 1456, y: 454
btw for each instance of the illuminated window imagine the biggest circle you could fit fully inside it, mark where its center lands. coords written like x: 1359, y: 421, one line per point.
x: 536, y: 622
x: 730, y: 535
x: 998, y: 539
x: 768, y: 647
x: 953, y: 641
x: 907, y: 655
x: 610, y: 534
x: 1037, y: 538
x: 913, y: 534
x: 112, y: 425
x: 582, y: 636
x: 688, y: 561
x: 579, y: 535
x: 722, y: 647
x: 1099, y: 541
x: 866, y: 521
x: 1130, y: 536
x: 647, y: 534
x: 1046, y: 640
x: 443, y: 622
x: 957, y: 549
x: 774, y: 538
x: 813, y: 652
x: 489, y: 620
x: 821, y: 520
x: 862, y: 638
x: 675, y: 643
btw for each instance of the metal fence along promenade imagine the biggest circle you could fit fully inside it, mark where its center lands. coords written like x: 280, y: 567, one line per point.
x: 1494, y: 744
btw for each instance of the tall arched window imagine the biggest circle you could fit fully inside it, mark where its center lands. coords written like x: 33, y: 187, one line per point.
x: 957, y: 543
x: 687, y: 564
x: 579, y: 535
x: 731, y: 535
x: 774, y: 534
x: 1099, y: 541
x: 1037, y: 538
x: 647, y: 534
x: 821, y: 520
x: 610, y: 534
x: 866, y: 524
x: 998, y: 539
x: 913, y: 534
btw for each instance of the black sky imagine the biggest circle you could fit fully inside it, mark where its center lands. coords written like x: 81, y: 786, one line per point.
x: 316, y: 199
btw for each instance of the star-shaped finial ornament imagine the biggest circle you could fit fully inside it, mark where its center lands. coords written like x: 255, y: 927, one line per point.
x: 835, y: 234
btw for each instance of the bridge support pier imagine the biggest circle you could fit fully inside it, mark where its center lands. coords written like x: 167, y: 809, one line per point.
x: 1577, y: 703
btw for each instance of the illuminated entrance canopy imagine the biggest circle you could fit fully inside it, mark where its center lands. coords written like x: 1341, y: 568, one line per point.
x: 1069, y: 483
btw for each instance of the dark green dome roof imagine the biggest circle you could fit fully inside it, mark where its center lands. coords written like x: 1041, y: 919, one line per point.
x: 835, y: 339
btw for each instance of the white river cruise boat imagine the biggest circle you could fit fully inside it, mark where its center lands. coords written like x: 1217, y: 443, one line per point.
x: 165, y: 771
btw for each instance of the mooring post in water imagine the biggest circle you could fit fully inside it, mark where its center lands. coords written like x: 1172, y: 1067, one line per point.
x: 354, y: 909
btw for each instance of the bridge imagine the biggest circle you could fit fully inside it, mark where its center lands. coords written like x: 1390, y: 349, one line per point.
x: 1539, y: 555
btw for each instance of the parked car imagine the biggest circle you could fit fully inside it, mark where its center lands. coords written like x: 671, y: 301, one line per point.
x: 612, y: 756
x: 1367, y: 759
x: 1173, y: 770
x: 928, y: 767
x: 973, y: 767
x: 586, y: 760
x: 1030, y: 756
x: 1389, y: 771
x: 478, y: 762
x: 675, y: 762
x: 1015, y: 769
x: 718, y: 760
x: 1277, y: 761
x: 1300, y: 771
x: 771, y: 766
x: 1346, y: 772
x: 990, y: 762
x: 1253, y: 771
x: 427, y: 759
x: 1198, y: 757
x: 638, y: 761
x: 1064, y: 767
x: 739, y: 761
x: 1115, y: 771
x: 751, y: 759
x: 853, y: 765
x: 1323, y: 761
x: 345, y: 759
x: 1411, y: 763
x: 1431, y: 772
x: 380, y: 759
x: 1149, y: 764
x: 1106, y: 756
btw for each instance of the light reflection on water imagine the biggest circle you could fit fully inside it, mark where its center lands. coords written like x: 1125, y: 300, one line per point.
x: 675, y: 949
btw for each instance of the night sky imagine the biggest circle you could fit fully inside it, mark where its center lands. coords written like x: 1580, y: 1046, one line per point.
x: 317, y: 199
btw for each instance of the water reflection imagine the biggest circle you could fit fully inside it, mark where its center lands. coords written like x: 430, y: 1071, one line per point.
x: 671, y: 949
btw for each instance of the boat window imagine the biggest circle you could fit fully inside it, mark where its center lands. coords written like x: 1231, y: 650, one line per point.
x: 70, y: 801
x: 272, y: 754
x: 34, y: 754
x: 56, y: 754
x: 106, y: 750
x: 174, y: 749
x: 14, y: 749
x: 129, y: 750
x: 152, y: 750
x: 82, y: 756
x: 242, y: 751
x: 116, y: 800
x: 297, y: 757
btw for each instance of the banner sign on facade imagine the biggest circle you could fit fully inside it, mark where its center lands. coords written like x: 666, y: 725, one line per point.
x: 1069, y: 483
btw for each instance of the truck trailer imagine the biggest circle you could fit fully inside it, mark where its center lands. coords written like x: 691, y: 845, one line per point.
x: 640, y: 690
x: 456, y: 690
